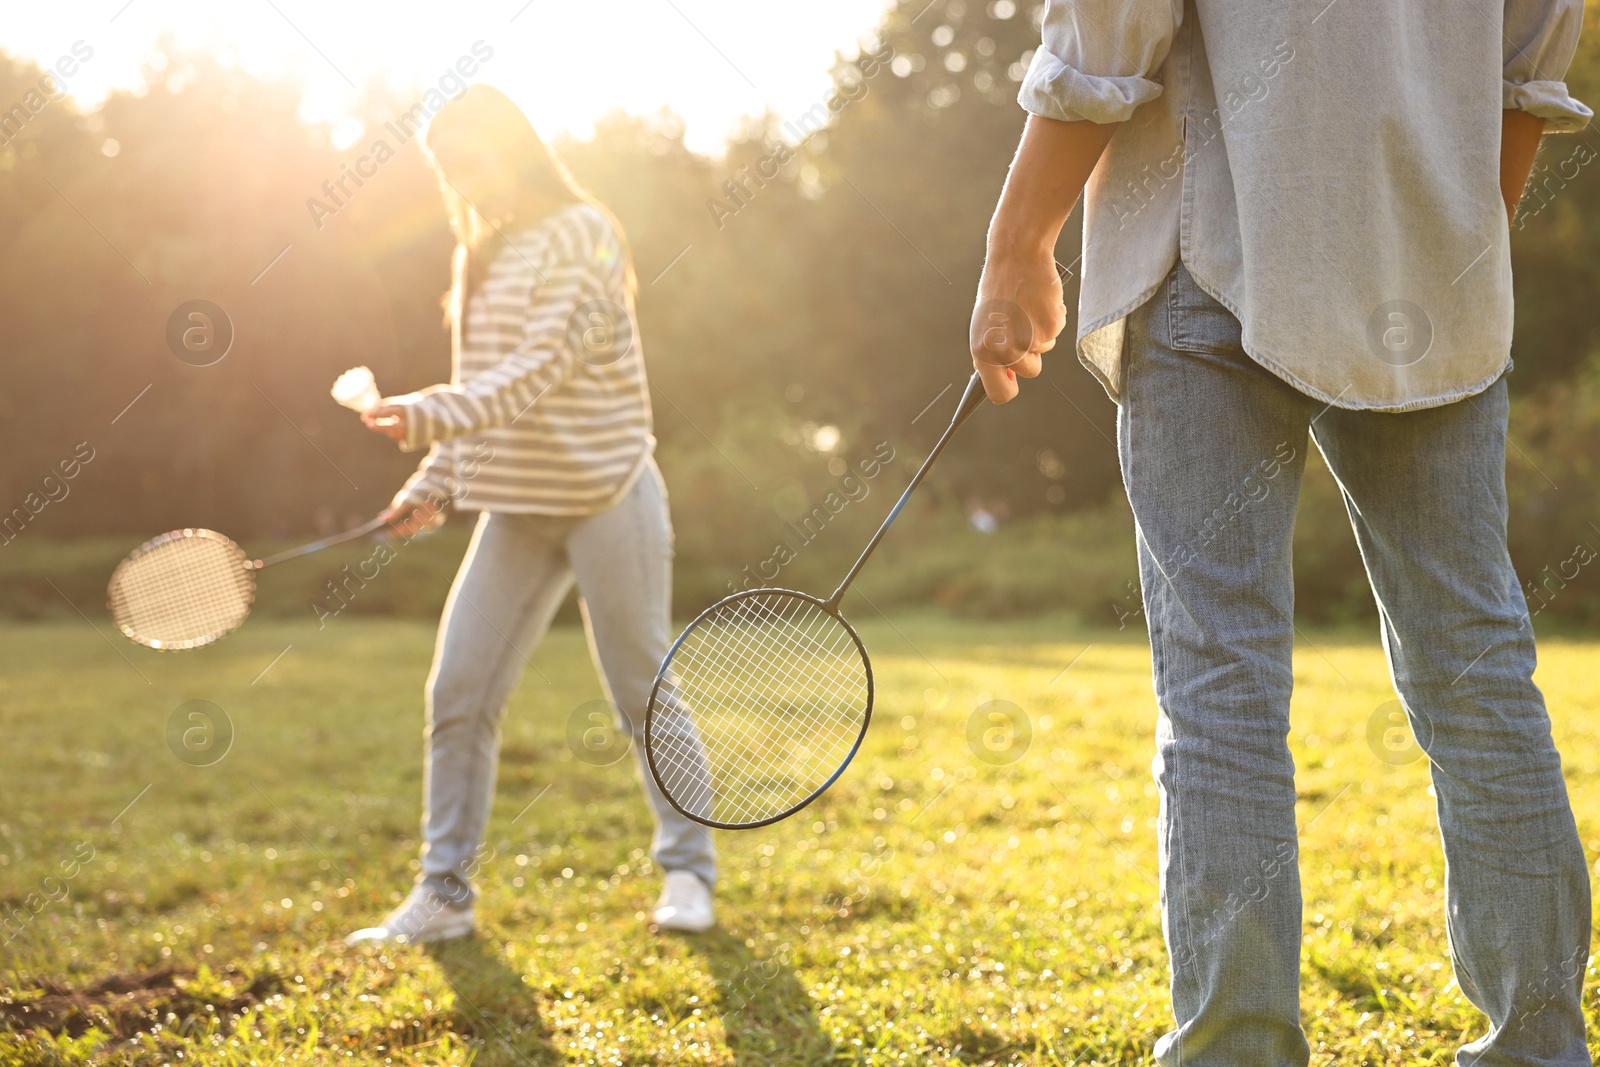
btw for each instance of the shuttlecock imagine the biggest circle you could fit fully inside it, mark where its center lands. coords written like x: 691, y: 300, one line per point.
x: 356, y: 389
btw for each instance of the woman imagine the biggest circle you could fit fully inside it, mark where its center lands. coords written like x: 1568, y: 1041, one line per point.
x: 545, y: 429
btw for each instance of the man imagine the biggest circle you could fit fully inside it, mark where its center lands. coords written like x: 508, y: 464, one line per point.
x: 1297, y: 225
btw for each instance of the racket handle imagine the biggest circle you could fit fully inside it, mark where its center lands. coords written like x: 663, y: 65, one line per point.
x: 971, y: 400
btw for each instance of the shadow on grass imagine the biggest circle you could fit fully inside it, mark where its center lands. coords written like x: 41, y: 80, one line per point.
x: 494, y: 1005
x: 769, y: 1019
x: 766, y: 1014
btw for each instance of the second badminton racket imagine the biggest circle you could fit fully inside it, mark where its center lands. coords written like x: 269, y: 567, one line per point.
x: 188, y: 588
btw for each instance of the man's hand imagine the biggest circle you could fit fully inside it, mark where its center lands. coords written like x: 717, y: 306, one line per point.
x: 1016, y: 319
x: 387, y: 419
x: 1018, y: 313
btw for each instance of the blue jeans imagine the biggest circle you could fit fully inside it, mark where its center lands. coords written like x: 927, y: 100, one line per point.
x: 1212, y: 449
x: 516, y: 572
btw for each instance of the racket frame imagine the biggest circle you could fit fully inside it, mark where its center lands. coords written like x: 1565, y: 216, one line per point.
x: 832, y: 609
x: 245, y: 565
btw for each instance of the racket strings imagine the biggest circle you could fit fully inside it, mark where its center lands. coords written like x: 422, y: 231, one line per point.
x: 742, y: 658
x: 770, y: 771
x: 679, y: 756
x: 734, y: 750
x: 766, y: 698
x: 181, y: 590
x: 781, y: 679
x: 756, y: 765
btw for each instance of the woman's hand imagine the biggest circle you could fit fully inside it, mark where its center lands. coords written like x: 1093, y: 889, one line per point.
x: 408, y: 520
x: 387, y: 419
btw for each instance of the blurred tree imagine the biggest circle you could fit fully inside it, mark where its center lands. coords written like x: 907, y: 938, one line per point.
x: 1556, y: 237
x: 803, y: 298
x: 909, y: 175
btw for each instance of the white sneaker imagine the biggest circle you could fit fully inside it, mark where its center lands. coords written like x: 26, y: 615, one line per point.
x: 685, y: 904
x: 422, y: 916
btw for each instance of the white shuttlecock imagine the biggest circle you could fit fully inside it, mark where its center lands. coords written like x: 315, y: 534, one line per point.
x: 357, y: 390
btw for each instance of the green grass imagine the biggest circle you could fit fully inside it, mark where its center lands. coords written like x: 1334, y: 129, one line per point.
x: 934, y: 908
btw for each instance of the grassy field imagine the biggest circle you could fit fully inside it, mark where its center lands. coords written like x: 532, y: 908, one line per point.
x: 952, y: 901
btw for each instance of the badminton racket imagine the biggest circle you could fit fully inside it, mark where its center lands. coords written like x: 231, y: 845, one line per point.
x: 762, y: 702
x: 188, y: 588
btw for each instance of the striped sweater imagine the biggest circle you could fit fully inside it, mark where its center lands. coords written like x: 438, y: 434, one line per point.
x: 547, y: 410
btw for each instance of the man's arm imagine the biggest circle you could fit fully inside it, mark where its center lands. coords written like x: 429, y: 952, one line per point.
x: 1018, y: 312
x: 1519, y: 141
x: 1053, y: 162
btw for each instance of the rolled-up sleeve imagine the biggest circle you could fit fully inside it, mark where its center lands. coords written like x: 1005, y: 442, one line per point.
x: 1098, y: 58
x: 1540, y: 39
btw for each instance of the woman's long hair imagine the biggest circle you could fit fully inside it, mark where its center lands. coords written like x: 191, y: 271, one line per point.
x: 488, y: 115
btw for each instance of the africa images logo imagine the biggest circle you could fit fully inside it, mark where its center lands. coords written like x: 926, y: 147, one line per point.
x: 1399, y: 332
x: 199, y: 332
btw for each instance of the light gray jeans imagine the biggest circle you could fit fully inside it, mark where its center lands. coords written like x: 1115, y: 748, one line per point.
x: 516, y: 573
x: 1213, y: 447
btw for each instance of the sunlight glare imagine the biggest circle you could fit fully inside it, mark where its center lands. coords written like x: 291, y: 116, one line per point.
x: 712, y: 62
